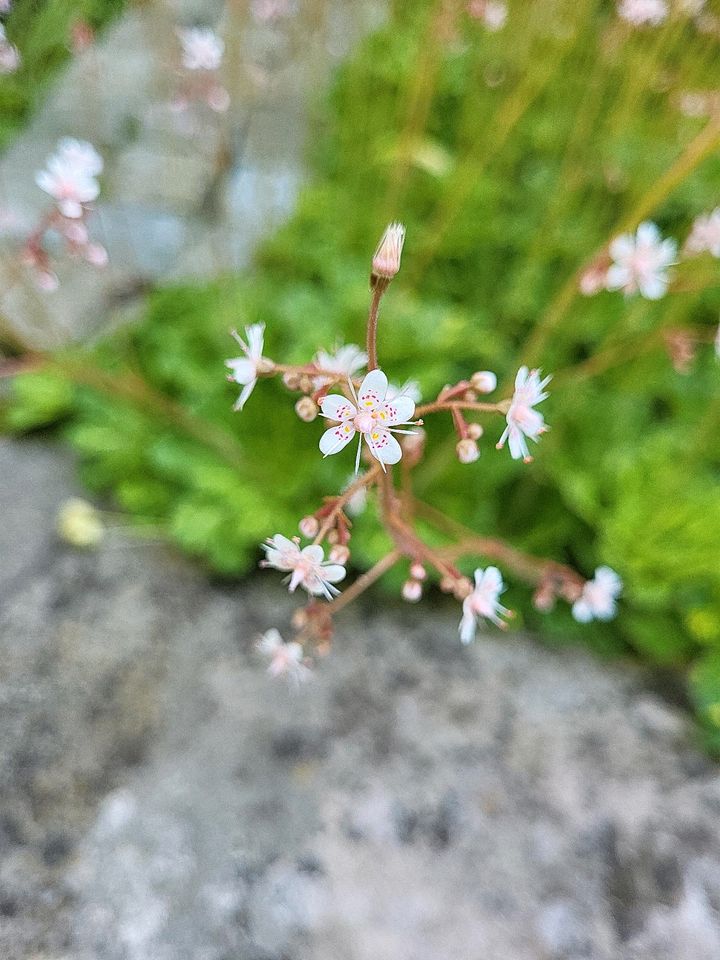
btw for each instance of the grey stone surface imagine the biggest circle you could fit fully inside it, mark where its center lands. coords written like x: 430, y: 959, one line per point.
x: 163, y: 799
x: 184, y: 195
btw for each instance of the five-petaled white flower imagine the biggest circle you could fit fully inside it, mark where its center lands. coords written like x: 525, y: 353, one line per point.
x: 643, y: 12
x: 641, y: 262
x: 597, y: 600
x: 345, y: 362
x: 483, y: 602
x: 285, y: 658
x: 522, y: 420
x: 245, y: 369
x: 705, y: 234
x: 307, y: 567
x: 202, y: 48
x: 372, y: 416
x: 67, y: 177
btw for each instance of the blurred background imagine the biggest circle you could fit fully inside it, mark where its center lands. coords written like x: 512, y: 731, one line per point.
x: 552, y: 797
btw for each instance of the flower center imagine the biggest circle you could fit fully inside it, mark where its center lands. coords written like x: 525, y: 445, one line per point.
x: 364, y: 422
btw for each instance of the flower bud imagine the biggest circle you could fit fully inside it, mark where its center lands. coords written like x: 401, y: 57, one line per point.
x: 340, y: 554
x: 474, y: 431
x: 412, y: 591
x: 484, y: 381
x: 386, y: 260
x: 47, y: 280
x: 264, y: 365
x: 467, y: 450
x: 447, y: 584
x: 96, y: 255
x: 417, y: 571
x: 291, y: 380
x: 462, y: 588
x: 306, y: 409
x: 309, y: 526
x: 79, y: 523
x: 306, y: 383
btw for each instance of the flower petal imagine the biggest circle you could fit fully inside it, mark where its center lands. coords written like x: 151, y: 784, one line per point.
x: 333, y: 573
x: 372, y: 390
x: 399, y: 410
x: 384, y: 447
x: 336, y: 407
x: 334, y: 439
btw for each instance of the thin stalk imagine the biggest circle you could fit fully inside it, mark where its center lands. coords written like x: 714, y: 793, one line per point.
x: 363, y: 582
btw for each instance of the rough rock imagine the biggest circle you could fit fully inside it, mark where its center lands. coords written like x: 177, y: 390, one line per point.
x: 163, y: 799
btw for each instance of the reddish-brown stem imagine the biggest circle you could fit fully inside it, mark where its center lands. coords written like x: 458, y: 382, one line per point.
x: 363, y: 582
x: 365, y: 480
x: 501, y: 407
x: 379, y: 289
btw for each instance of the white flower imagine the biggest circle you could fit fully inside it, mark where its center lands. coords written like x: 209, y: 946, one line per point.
x: 386, y: 259
x: 285, y: 658
x: 641, y: 262
x: 10, y: 58
x: 483, y: 602
x: 522, y: 420
x: 372, y: 416
x: 307, y: 567
x: 493, y: 13
x: 202, y: 48
x: 598, y: 597
x: 705, y: 234
x: 80, y: 156
x: 411, y: 388
x: 69, y: 186
x: 345, y: 362
x: 717, y: 343
x: 245, y: 369
x: 643, y: 12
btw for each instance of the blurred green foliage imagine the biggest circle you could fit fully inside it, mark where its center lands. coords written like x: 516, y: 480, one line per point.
x: 41, y: 30
x: 539, y: 142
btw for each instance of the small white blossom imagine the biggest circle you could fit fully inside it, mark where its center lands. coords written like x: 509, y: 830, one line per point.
x: 597, y: 601
x: 522, y: 420
x: 493, y: 13
x: 80, y: 156
x: 245, y: 369
x: 70, y: 185
x: 372, y: 416
x: 483, y: 602
x: 202, y: 48
x: 307, y: 567
x: 10, y: 58
x: 717, y: 343
x: 285, y: 658
x: 642, y: 13
x: 345, y: 362
x: 705, y: 234
x: 641, y: 262
x: 484, y: 381
x: 386, y: 259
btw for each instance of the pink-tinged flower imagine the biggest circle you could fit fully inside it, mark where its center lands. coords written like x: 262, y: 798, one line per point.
x: 641, y: 13
x: 640, y: 262
x: 265, y: 11
x: 218, y: 99
x: 705, y: 234
x: 493, y: 13
x: 372, y: 415
x: 285, y: 658
x: 307, y: 567
x: 69, y: 187
x: 202, y: 48
x: 5, y: 6
x: 80, y: 155
x: 717, y: 343
x: 483, y: 602
x: 346, y: 361
x: 10, y: 58
x: 245, y: 369
x: 484, y: 381
x: 522, y: 420
x: 386, y: 259
x: 597, y: 600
